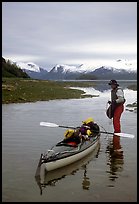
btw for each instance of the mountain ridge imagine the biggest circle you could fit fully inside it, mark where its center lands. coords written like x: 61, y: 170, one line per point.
x: 120, y: 69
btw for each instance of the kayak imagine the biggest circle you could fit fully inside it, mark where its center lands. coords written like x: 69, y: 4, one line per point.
x: 51, y: 178
x: 63, y: 153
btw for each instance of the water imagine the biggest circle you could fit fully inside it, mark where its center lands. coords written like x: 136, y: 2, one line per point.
x: 98, y: 178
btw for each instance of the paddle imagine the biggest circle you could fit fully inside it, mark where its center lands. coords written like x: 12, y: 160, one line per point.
x: 47, y: 124
x: 54, y: 125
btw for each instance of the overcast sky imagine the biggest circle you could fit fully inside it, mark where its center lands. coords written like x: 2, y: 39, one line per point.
x: 73, y: 33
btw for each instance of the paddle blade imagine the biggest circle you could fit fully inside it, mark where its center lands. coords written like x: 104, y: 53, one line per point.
x: 124, y: 135
x: 48, y: 124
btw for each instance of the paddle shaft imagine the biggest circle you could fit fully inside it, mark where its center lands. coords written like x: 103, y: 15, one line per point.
x: 66, y: 127
x: 105, y: 132
x: 110, y: 133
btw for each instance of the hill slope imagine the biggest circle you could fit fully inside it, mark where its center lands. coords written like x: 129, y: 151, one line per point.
x: 11, y: 70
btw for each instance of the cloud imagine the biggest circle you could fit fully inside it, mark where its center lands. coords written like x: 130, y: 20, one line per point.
x: 22, y: 58
x: 73, y: 32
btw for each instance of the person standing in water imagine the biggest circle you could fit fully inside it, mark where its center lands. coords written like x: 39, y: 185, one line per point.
x: 116, y: 107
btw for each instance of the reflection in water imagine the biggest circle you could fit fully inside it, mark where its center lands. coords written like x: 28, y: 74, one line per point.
x: 86, y: 182
x: 115, y: 158
x: 52, y: 177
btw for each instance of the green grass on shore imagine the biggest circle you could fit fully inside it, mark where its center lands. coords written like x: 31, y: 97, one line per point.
x: 18, y: 90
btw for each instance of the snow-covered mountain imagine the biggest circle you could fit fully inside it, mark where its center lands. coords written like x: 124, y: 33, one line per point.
x: 32, y: 69
x: 30, y: 66
x: 119, y: 69
x: 127, y: 65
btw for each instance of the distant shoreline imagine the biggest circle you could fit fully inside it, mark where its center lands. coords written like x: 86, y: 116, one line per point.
x: 21, y: 90
x: 96, y: 80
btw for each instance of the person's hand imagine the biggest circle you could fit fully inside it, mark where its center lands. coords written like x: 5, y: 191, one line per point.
x: 109, y: 102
